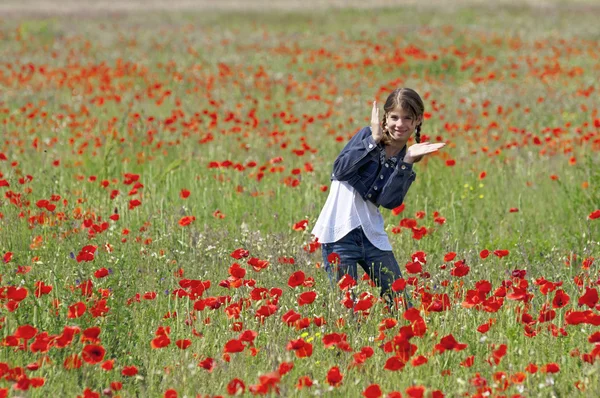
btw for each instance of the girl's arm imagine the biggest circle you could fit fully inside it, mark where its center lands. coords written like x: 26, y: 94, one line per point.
x: 394, y: 191
x: 354, y: 154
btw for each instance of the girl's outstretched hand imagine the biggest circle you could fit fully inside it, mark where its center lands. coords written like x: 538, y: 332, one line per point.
x: 416, y: 152
x: 376, y: 130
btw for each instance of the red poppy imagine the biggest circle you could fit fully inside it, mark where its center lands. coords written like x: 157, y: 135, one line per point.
x: 550, y: 368
x: 234, y: 345
x: 594, y: 338
x: 41, y: 288
x: 41, y: 343
x: 468, y: 362
x: 240, y: 253
x: 594, y: 215
x: 307, y: 298
x: 296, y: 279
x: 266, y: 311
x: 170, y: 393
x: 237, y: 271
x: 498, y: 354
x: 346, y: 282
x: 333, y: 339
x: 300, y: 225
x: 257, y: 264
x: 418, y: 361
x: 248, y: 336
x: 334, y: 377
x: 301, y: 348
x: 449, y: 256
x: 91, y: 334
x: 160, y: 341
x: 134, y: 203
x: 303, y: 323
x: 72, y: 362
x: 108, y: 364
x: 76, y: 310
x: 578, y: 317
x: 387, y: 323
x: 207, y: 363
x: 285, y: 367
x: 501, y: 253
x: 394, y: 364
x: 266, y: 383
x: 399, y: 285
x: 587, y: 262
x: 589, y: 298
x: 236, y: 387
x: 66, y: 337
x: 149, y: 296
x: 129, y: 371
x: 89, y: 393
x: 333, y: 258
x: 25, y: 332
x: 183, y: 343
x: 561, y: 299
x: 414, y: 267
x: 419, y: 233
x: 93, y: 353
x: 186, y: 220
x: 531, y: 368
x: 86, y: 253
x: 364, y: 304
x: 398, y: 210
x: 304, y: 381
x: 184, y: 194
x: 373, y: 391
x: 460, y: 269
x: 449, y: 343
x: 415, y: 391
x: 290, y: 317
x: 101, y: 273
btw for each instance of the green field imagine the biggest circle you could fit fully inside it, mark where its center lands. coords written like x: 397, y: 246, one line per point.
x: 140, y: 151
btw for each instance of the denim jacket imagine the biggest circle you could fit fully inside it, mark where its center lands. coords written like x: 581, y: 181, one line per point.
x: 382, y: 183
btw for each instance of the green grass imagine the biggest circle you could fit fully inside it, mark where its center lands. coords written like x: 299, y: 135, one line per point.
x: 262, y: 76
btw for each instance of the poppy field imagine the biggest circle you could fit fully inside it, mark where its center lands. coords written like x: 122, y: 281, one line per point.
x: 160, y: 174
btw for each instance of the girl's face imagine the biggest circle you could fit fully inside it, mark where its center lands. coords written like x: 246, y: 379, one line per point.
x: 401, y: 125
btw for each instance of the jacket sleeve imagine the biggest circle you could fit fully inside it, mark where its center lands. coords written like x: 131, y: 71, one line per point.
x: 353, y: 155
x: 393, y: 193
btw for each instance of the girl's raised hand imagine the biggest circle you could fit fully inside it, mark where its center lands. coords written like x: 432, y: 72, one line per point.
x: 376, y: 130
x: 416, y: 152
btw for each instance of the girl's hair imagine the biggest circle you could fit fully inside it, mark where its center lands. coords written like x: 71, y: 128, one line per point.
x: 409, y: 101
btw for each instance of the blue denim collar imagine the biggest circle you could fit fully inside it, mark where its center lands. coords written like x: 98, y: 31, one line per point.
x: 393, y: 160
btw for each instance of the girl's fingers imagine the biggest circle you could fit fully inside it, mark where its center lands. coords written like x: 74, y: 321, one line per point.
x: 425, y: 148
x: 425, y: 151
x: 435, y: 146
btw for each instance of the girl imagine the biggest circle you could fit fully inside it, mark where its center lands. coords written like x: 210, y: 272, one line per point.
x: 374, y: 169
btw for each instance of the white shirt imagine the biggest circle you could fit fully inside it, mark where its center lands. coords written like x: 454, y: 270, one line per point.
x: 345, y: 210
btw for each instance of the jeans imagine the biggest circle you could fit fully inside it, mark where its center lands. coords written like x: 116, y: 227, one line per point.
x: 356, y: 249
